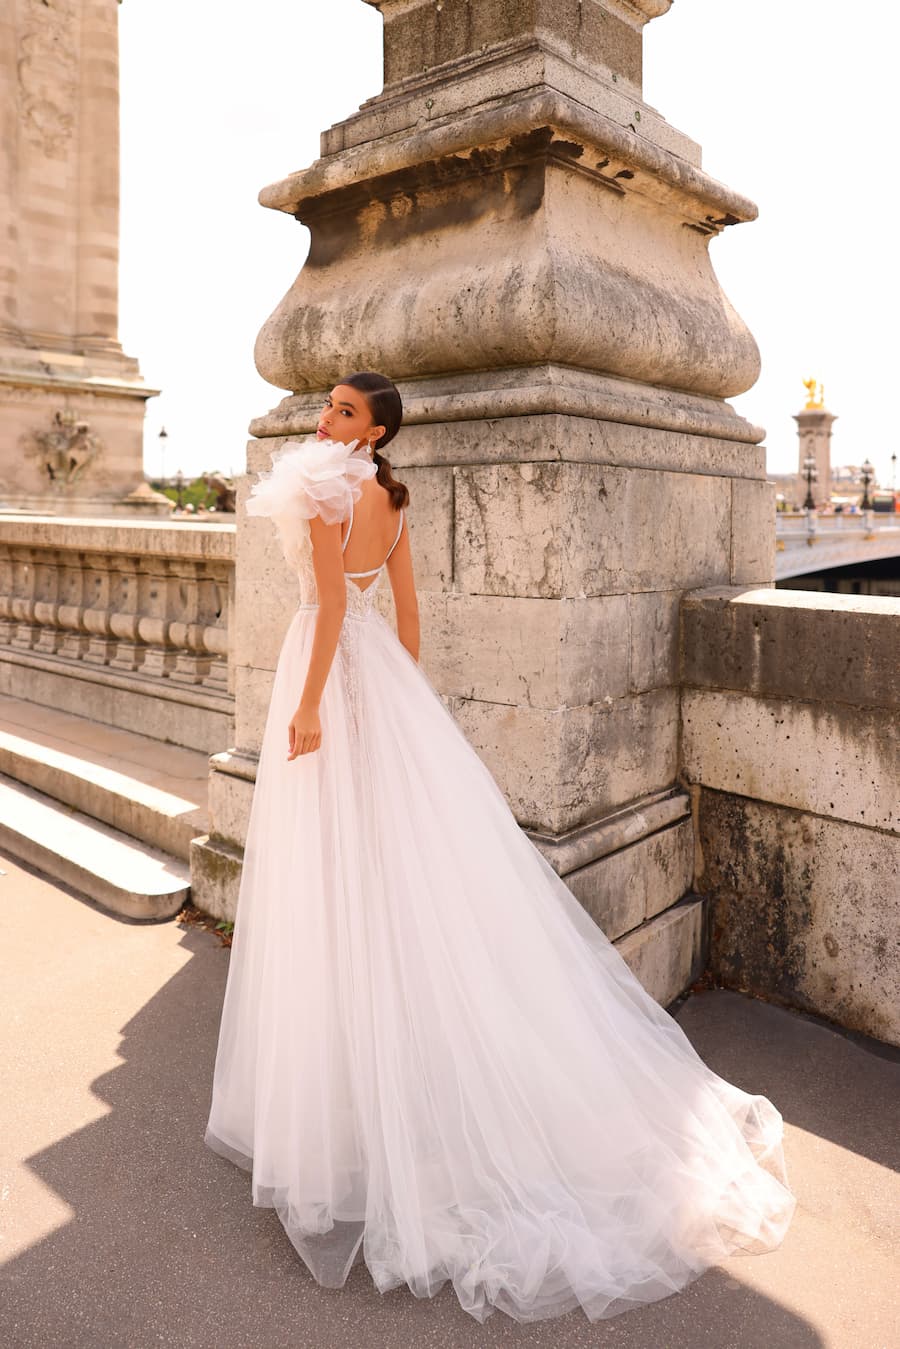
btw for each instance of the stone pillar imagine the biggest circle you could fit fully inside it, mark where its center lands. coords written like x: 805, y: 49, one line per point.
x: 521, y: 242
x: 71, y: 403
x: 9, y: 259
x: 96, y: 319
x: 814, y: 434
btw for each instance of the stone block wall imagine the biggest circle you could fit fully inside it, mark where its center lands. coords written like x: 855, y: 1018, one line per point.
x: 790, y: 744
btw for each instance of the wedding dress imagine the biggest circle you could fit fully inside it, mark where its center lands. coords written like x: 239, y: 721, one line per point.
x: 430, y: 1057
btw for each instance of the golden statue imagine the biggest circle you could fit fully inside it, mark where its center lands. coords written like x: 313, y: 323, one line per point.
x: 812, y: 402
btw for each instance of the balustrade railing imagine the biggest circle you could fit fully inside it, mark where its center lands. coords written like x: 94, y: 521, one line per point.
x: 147, y: 600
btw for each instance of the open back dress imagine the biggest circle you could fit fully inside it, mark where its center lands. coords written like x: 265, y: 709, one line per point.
x: 430, y: 1057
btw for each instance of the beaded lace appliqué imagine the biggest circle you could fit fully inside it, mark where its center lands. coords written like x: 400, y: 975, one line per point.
x: 359, y: 606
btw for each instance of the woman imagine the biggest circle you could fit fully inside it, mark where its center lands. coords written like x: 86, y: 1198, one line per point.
x: 430, y: 1057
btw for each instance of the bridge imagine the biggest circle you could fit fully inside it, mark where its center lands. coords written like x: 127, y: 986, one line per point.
x: 813, y: 543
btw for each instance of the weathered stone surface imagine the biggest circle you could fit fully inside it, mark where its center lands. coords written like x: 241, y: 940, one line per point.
x: 252, y: 692
x: 804, y: 908
x: 265, y: 599
x: 623, y: 890
x: 430, y: 519
x: 461, y: 418
x: 561, y: 769
x: 737, y: 639
x: 577, y: 848
x: 532, y: 250
x: 195, y: 720
x: 215, y: 877
x: 667, y: 177
x: 231, y: 786
x: 589, y: 51
x: 584, y: 529
x: 752, y: 532
x: 126, y: 623
x: 653, y: 621
x: 537, y: 653
x: 838, y: 761
x: 150, y: 791
x: 419, y: 35
x: 59, y: 199
x: 94, y: 859
x: 668, y: 953
x: 791, y: 736
x: 169, y: 539
x: 510, y: 437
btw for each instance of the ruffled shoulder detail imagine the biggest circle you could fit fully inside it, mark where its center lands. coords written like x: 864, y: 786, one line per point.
x: 315, y: 477
x: 307, y: 478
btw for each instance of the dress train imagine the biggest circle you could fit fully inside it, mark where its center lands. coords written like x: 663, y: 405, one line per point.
x: 430, y: 1057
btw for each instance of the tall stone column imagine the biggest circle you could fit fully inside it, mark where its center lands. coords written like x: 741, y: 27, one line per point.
x: 522, y: 243
x: 814, y: 425
x: 71, y: 403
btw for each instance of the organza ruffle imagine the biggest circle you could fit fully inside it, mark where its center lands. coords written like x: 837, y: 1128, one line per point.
x: 309, y: 478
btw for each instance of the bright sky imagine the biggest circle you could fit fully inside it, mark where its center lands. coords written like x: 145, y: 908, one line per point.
x: 792, y: 101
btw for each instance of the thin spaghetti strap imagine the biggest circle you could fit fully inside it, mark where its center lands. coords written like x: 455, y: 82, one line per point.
x: 397, y: 539
x: 349, y: 527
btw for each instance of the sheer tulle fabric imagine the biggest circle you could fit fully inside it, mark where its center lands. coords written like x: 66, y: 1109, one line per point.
x: 306, y: 479
x: 431, y: 1058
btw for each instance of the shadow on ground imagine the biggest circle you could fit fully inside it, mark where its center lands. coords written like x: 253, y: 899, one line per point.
x: 165, y: 1249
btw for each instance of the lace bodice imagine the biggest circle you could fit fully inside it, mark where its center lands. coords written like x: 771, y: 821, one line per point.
x: 359, y: 601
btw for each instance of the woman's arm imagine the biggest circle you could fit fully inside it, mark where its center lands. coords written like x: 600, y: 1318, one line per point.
x: 304, y: 731
x: 403, y: 587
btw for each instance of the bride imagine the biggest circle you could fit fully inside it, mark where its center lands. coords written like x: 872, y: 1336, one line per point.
x: 430, y: 1057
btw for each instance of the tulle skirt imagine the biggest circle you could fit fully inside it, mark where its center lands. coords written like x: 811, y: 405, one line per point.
x: 431, y: 1058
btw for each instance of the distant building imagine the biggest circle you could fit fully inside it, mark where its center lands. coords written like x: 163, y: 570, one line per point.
x: 814, y: 425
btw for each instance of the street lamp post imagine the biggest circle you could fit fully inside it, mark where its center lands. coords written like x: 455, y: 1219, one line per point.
x: 179, y: 486
x: 163, y: 437
x: 868, y: 476
x: 809, y: 468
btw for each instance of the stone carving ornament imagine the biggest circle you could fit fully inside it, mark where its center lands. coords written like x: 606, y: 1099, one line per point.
x: 66, y: 449
x: 48, y: 74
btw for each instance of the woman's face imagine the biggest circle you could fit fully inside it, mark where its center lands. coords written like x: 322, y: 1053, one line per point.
x: 345, y: 416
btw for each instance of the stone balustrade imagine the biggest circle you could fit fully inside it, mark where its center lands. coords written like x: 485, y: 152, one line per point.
x: 125, y: 623
x: 797, y: 525
x: 807, y: 541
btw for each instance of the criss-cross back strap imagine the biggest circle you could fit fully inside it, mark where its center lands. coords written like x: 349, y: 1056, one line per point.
x: 372, y: 570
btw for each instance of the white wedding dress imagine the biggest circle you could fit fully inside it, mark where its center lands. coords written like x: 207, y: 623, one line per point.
x: 430, y: 1056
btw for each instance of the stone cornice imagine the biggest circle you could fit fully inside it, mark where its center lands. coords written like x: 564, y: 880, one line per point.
x: 73, y: 383
x: 699, y: 193
x: 197, y: 539
x: 541, y: 390
x: 636, y: 12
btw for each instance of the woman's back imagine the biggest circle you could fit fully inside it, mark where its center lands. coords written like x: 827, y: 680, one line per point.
x: 430, y: 1056
x: 370, y: 534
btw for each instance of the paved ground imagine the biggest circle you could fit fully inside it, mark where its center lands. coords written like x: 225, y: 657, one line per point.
x: 120, y: 1230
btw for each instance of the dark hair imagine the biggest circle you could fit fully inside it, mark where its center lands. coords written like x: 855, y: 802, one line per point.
x: 386, y: 407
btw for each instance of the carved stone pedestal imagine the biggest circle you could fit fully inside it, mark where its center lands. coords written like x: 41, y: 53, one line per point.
x: 512, y: 234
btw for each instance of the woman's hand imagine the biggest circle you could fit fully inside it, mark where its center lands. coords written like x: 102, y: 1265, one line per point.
x: 304, y: 731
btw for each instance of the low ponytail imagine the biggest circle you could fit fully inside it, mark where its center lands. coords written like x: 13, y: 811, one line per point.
x: 386, y: 406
